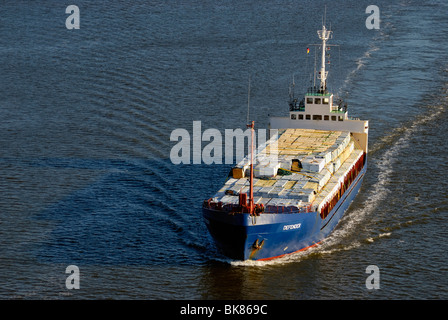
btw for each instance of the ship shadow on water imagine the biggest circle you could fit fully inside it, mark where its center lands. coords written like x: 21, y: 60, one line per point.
x: 135, y: 212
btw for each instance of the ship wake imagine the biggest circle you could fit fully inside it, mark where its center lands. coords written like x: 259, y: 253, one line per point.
x: 377, y: 193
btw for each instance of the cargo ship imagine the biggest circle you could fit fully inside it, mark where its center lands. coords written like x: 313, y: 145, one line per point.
x: 289, y: 194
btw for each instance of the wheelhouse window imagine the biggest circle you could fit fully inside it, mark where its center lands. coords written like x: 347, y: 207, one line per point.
x: 309, y: 100
x: 326, y: 100
x: 317, y: 100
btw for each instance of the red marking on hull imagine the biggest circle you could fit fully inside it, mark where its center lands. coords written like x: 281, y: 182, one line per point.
x: 286, y: 254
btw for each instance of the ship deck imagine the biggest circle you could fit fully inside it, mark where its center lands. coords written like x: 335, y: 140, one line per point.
x: 298, y: 170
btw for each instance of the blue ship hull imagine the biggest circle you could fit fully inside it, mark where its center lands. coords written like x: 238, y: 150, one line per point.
x: 273, y: 235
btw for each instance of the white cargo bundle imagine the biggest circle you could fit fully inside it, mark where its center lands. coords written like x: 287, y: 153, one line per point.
x: 282, y: 195
x: 326, y: 155
x: 308, y: 195
x: 299, y: 185
x: 266, y: 160
x: 351, y: 146
x: 313, y: 164
x: 336, y: 165
x: 218, y: 196
x: 333, y: 151
x: 344, y: 139
x: 272, y: 202
x: 319, y: 198
x: 305, y: 195
x: 230, y: 199
x: 264, y: 191
x: 280, y: 183
x: 285, y: 164
x: 230, y: 181
x: 276, y: 191
x: 330, y: 186
x: 278, y: 202
x: 345, y: 166
x: 322, y: 198
x: 356, y: 154
x: 293, y: 176
x: 242, y: 181
x: 236, y: 188
x: 269, y: 170
x: 287, y: 193
x: 322, y: 178
x: 286, y: 202
x: 330, y: 168
x: 258, y: 199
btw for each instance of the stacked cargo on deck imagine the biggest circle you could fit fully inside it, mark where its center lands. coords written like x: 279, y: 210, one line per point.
x: 298, y: 172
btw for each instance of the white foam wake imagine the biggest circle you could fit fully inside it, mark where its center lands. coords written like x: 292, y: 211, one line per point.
x: 378, y: 192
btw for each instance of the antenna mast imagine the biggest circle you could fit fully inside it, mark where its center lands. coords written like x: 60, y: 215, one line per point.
x: 248, y: 102
x: 251, y: 125
x: 324, y: 35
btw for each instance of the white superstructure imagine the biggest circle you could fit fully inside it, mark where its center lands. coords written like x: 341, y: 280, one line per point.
x: 318, y: 109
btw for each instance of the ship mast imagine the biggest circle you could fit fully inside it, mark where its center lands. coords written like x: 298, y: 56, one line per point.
x: 324, y: 35
x: 251, y: 125
x: 251, y: 182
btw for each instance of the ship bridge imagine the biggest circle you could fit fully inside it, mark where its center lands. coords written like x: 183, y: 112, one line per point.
x: 318, y: 105
x: 320, y: 110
